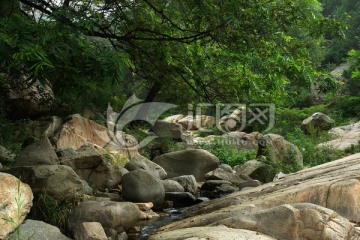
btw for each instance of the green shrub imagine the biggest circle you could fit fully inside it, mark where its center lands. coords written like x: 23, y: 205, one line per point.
x: 55, y: 212
x: 13, y: 133
x: 230, y: 154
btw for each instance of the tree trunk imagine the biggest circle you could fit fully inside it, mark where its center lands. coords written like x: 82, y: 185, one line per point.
x: 141, y: 114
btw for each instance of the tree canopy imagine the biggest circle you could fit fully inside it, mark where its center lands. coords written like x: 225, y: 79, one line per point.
x: 176, y: 50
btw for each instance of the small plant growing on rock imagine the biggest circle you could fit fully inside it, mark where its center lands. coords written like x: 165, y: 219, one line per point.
x: 17, y: 222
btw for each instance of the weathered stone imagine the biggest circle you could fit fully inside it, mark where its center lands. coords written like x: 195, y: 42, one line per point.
x: 317, y: 122
x: 24, y: 101
x: 188, y: 182
x: 223, y: 190
x: 33, y: 229
x: 122, y: 236
x: 226, y: 167
x: 148, y: 214
x: 90, y: 231
x: 197, y: 122
x: 279, y: 176
x: 13, y: 193
x: 211, y: 185
x: 338, y: 132
x: 280, y: 153
x: 141, y: 186
x: 78, y: 131
x: 221, y: 174
x: 256, y: 170
x: 247, y: 184
x: 195, y: 162
x: 174, y: 118
x: 334, y: 185
x: 346, y: 142
x: 60, y: 182
x: 119, y: 216
x: 168, y: 129
x: 172, y: 186
x: 38, y: 153
x: 92, y: 164
x: 242, y: 140
x: 5, y: 155
x: 145, y: 206
x: 180, y: 199
x: 233, y: 121
x: 213, y: 233
x: 296, y: 221
x: 47, y: 126
x: 142, y: 163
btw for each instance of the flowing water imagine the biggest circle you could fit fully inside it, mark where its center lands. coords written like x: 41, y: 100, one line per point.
x: 150, y: 226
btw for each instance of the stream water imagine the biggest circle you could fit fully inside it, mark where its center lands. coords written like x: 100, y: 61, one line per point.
x: 150, y: 226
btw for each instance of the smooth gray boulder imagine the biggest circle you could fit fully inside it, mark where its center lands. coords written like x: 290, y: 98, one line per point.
x: 141, y: 186
x: 142, y: 163
x: 188, y: 182
x: 119, y: 216
x: 33, y: 229
x: 60, y: 182
x: 196, y: 162
x: 221, y: 174
x: 172, y: 186
x: 94, y: 165
x: 38, y: 153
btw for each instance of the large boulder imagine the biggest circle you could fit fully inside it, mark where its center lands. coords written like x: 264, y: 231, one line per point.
x: 256, y: 170
x: 38, y: 153
x: 60, y: 182
x: 213, y: 233
x: 221, y: 174
x: 339, y: 132
x: 348, y: 141
x: 242, y: 140
x: 280, y: 153
x: 90, y: 231
x: 334, y: 185
x: 296, y: 221
x: 119, y: 216
x: 142, y: 186
x: 140, y: 162
x: 344, y: 137
x: 24, y: 101
x: 33, y: 229
x: 217, y: 188
x: 174, y: 118
x: 180, y: 199
x: 92, y: 164
x: 232, y: 122
x: 78, y: 131
x: 195, y: 162
x: 317, y: 122
x: 168, y: 129
x: 188, y: 182
x: 15, y: 203
x: 172, y: 186
x: 197, y: 122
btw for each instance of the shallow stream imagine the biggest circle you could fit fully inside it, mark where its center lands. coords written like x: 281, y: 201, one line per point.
x: 150, y: 226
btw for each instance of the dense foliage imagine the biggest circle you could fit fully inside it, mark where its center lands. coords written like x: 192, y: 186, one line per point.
x: 195, y: 50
